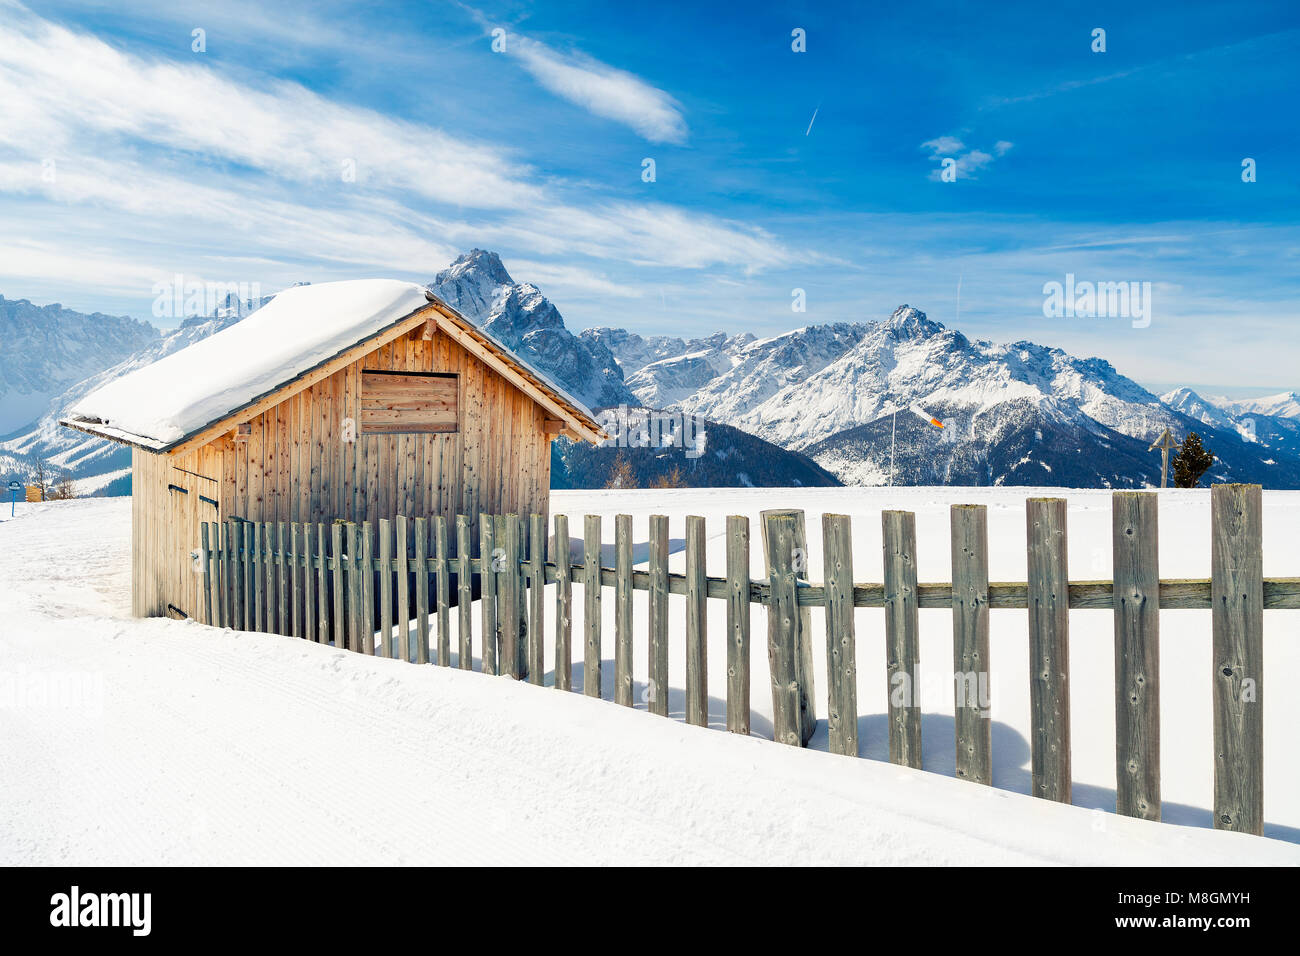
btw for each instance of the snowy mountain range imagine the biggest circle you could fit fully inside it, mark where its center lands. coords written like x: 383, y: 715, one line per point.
x: 1017, y: 413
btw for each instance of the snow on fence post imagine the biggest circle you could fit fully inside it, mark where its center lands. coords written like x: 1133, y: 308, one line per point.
x: 972, y: 725
x: 902, y: 639
x: 803, y: 624
x: 657, y: 690
x: 697, y: 599
x: 623, y: 616
x: 591, y: 609
x: 420, y: 532
x: 512, y: 661
x: 308, y: 592
x: 1048, y: 600
x: 563, y: 606
x: 402, y: 608
x: 536, y: 599
x: 464, y: 599
x: 738, y: 624
x: 488, y: 592
x: 386, y: 588
x: 1237, y: 597
x: 367, y: 591
x: 322, y: 586
x: 841, y: 653
x: 783, y: 626
x: 1136, y: 590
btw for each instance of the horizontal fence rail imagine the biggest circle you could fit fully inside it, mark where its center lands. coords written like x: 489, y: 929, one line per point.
x: 388, y: 590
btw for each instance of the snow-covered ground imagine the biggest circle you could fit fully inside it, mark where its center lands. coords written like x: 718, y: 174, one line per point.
x: 158, y: 741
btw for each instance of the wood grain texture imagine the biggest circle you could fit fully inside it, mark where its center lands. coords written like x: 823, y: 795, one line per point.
x: 697, y: 665
x: 972, y: 723
x: 803, y: 623
x: 738, y: 625
x: 902, y: 637
x: 1135, y: 539
x: 464, y: 596
x: 841, y: 639
x: 591, y: 608
x: 563, y: 606
x: 420, y: 566
x: 488, y: 592
x: 624, y: 690
x: 1049, y: 649
x: 402, y: 607
x: 536, y: 599
x: 657, y: 619
x: 779, y: 537
x: 1236, y: 576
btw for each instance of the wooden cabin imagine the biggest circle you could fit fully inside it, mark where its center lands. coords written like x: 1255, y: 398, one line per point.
x: 345, y: 400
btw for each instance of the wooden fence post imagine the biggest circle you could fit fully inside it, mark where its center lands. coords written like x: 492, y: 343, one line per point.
x: 537, y: 599
x: 512, y: 661
x: 281, y: 581
x: 403, y: 605
x: 227, y: 577
x: 206, y: 569
x: 657, y: 689
x: 563, y: 605
x: 1049, y: 648
x: 250, y: 619
x: 779, y: 548
x: 841, y: 653
x: 269, y: 560
x: 738, y: 624
x: 1237, y: 596
x: 322, y: 586
x: 386, y: 588
x: 464, y: 597
x: 310, y: 631
x: 295, y: 596
x: 972, y: 724
x: 803, y: 622
x: 902, y: 639
x: 442, y: 556
x: 357, y: 628
x: 339, y: 610
x: 421, y: 532
x: 624, y: 690
x: 1136, y: 565
x: 367, y: 591
x: 488, y: 591
x: 591, y: 611
x: 697, y: 598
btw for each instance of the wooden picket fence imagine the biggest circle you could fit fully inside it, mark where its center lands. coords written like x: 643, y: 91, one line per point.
x: 334, y: 584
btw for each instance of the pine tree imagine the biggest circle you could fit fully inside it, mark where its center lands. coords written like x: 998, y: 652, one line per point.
x: 1191, y: 462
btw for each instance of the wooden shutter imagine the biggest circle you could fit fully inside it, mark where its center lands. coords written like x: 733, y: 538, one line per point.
x: 409, y: 402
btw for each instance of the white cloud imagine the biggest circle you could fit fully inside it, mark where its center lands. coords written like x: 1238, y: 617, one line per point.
x: 180, y: 165
x: 602, y: 90
x: 968, y: 161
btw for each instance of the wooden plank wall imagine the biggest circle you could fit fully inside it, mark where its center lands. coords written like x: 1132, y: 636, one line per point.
x: 296, y: 466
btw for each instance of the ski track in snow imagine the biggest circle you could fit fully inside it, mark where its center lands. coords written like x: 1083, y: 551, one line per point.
x: 210, y: 746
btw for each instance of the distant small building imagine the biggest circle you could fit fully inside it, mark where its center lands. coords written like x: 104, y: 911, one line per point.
x: 352, y: 400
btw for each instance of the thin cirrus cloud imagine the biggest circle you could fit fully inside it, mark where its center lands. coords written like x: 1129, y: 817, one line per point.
x: 144, y: 148
x: 602, y: 90
x: 969, y: 160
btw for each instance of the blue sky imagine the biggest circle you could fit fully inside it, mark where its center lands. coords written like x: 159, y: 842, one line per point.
x: 128, y: 158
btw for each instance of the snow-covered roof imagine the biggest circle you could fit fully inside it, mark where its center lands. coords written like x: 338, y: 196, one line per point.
x: 163, y: 404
